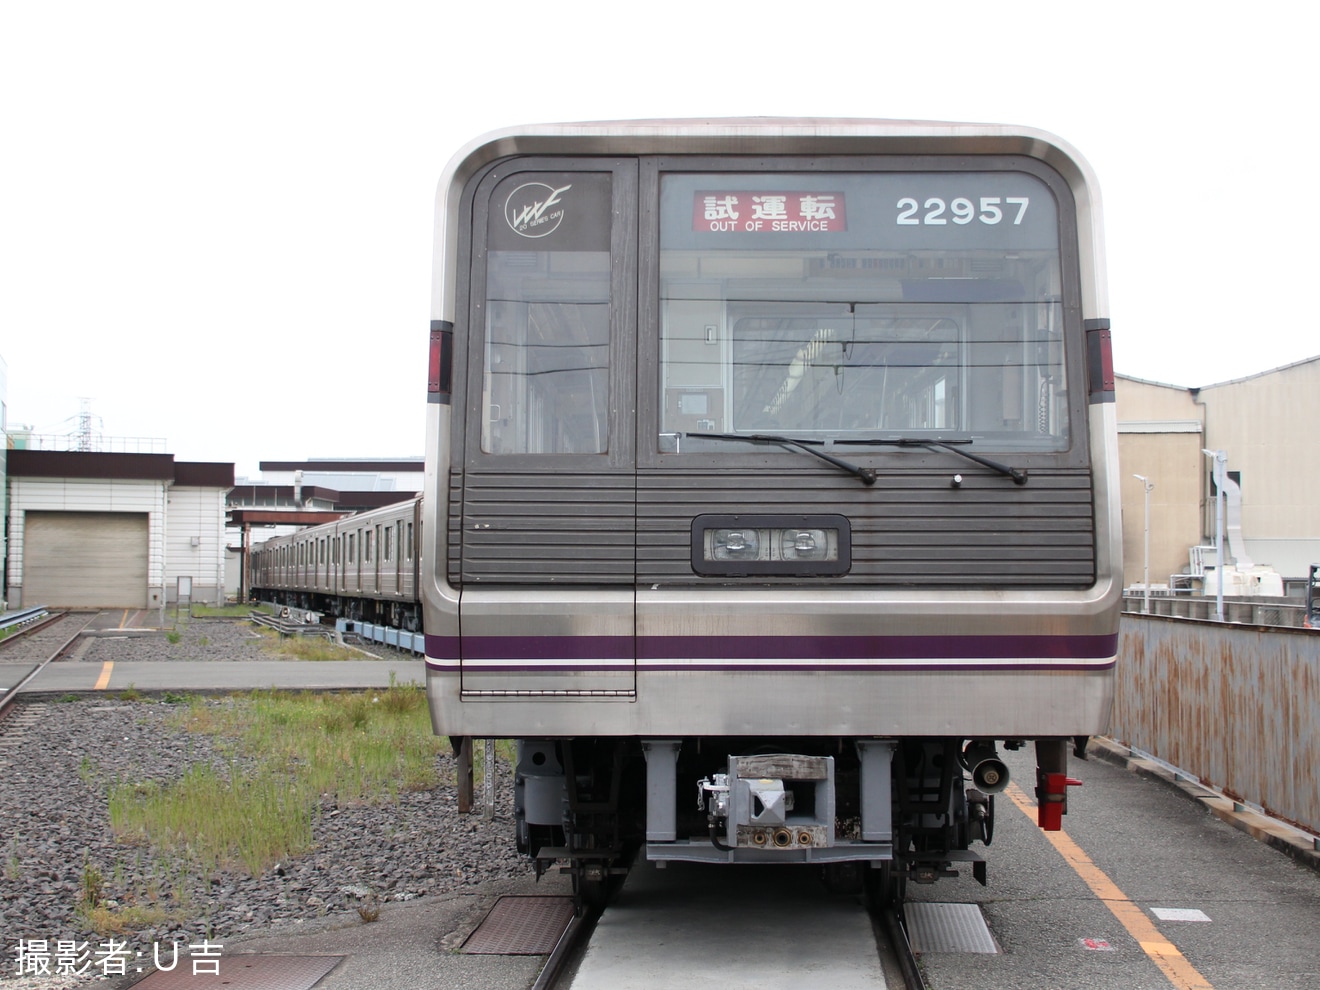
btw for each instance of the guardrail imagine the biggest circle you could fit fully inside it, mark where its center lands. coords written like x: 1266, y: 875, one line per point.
x: 14, y: 620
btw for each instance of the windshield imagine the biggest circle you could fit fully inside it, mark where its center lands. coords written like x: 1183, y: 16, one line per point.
x: 854, y: 306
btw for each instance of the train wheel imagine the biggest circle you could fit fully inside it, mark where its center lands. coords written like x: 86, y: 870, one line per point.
x: 594, y: 884
x: 886, y: 887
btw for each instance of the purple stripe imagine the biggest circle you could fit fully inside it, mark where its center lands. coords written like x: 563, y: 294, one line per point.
x: 931, y: 667
x: 653, y: 651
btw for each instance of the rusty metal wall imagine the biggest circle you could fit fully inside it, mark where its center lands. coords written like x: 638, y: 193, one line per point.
x: 1236, y: 706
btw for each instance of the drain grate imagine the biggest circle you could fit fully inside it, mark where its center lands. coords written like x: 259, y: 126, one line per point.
x: 245, y: 972
x: 947, y: 928
x: 521, y: 926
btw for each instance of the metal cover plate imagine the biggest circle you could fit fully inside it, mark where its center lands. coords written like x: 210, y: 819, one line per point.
x: 521, y: 926
x: 947, y: 928
x: 244, y: 972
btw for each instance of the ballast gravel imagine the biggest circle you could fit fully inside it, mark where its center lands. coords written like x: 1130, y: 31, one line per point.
x: 58, y: 759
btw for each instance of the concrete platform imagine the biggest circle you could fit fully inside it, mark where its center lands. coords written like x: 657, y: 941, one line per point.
x: 183, y: 676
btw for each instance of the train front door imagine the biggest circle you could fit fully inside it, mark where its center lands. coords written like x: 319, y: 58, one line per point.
x: 546, y: 505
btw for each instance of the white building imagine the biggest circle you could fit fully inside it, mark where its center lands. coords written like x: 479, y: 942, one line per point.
x: 92, y: 529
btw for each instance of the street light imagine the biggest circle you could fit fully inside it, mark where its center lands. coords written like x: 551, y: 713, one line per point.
x: 1145, y: 565
x: 1221, y: 460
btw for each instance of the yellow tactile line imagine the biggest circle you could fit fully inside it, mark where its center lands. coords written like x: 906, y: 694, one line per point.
x: 103, y: 681
x: 1162, y: 952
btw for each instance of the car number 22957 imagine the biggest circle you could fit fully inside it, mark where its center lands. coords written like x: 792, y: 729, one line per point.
x: 961, y: 210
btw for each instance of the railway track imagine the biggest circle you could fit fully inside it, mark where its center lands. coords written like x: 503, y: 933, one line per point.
x: 667, y: 940
x: 39, y: 643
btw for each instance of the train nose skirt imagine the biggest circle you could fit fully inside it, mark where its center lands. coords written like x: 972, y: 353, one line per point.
x: 521, y: 926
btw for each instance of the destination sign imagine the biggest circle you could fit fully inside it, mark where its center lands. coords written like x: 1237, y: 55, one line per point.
x: 763, y: 212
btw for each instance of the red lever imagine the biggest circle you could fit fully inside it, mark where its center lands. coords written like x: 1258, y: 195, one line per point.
x: 1052, y: 798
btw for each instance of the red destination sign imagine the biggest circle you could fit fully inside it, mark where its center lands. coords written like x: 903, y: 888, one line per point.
x: 768, y: 212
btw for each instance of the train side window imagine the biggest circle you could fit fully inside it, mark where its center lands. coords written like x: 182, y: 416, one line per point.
x: 410, y: 541
x: 352, y: 550
x: 366, y: 547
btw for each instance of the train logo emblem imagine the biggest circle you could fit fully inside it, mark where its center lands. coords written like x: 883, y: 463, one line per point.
x: 535, y: 209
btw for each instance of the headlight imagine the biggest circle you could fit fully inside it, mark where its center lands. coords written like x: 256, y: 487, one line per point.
x: 788, y: 545
x: 736, y: 544
x: 809, y: 544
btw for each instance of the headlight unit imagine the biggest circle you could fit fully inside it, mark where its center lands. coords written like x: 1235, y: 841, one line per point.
x: 786, y: 544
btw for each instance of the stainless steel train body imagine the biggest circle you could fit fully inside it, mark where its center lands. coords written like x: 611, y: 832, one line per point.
x: 363, y: 566
x: 771, y: 482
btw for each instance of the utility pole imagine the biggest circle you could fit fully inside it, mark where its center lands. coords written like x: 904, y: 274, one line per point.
x: 1145, y: 565
x: 1221, y: 461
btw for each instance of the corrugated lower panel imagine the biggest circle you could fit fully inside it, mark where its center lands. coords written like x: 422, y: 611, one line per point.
x: 521, y: 926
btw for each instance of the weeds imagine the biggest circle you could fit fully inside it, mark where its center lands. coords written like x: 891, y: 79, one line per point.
x: 230, y: 611
x: 285, y: 751
x: 93, y: 886
x: 129, y: 693
x: 309, y: 648
x: 174, y: 636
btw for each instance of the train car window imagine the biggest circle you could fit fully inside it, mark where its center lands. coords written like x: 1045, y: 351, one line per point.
x: 352, y: 550
x: 854, y: 305
x: 411, y: 545
x: 366, y: 547
x: 545, y: 382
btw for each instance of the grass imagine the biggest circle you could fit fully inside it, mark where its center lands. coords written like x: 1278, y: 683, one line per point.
x: 283, y: 752
x: 307, y: 647
x: 231, y: 611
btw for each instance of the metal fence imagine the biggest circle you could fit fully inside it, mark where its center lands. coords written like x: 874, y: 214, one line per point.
x: 1251, y: 611
x: 1236, y: 706
x: 79, y: 442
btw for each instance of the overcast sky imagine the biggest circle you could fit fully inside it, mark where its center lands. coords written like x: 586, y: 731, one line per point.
x: 215, y: 219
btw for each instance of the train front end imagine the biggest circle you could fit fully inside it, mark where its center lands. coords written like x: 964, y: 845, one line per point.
x: 771, y: 484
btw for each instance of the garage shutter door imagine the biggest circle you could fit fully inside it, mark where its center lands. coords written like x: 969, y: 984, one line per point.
x: 85, y: 559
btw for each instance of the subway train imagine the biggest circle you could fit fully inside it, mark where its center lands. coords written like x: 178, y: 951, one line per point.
x: 362, y: 567
x: 771, y: 487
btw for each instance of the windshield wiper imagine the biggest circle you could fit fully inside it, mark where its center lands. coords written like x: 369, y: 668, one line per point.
x: 865, y: 475
x: 1019, y: 475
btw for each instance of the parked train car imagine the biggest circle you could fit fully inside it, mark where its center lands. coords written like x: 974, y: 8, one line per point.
x: 361, y: 567
x: 771, y: 485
